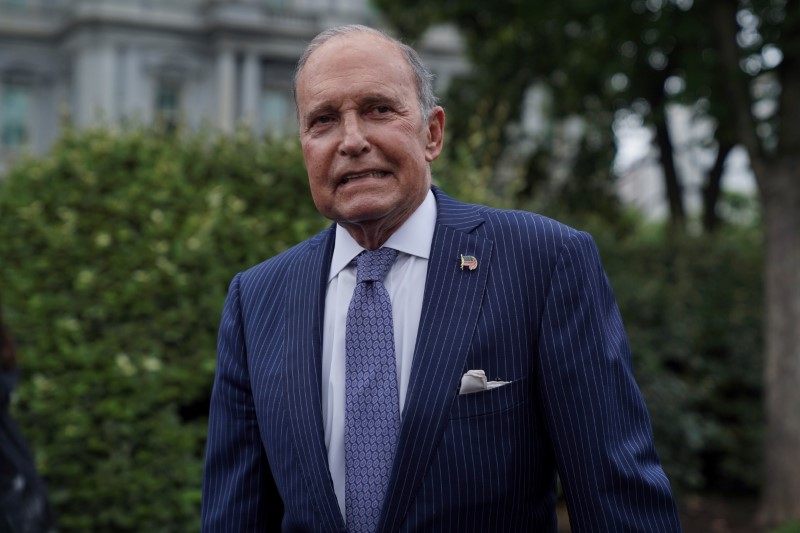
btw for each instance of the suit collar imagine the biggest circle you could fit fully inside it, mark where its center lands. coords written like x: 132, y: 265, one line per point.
x: 413, y: 237
x: 457, y: 215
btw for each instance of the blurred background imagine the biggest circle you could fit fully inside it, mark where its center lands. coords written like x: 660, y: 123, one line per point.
x: 148, y: 152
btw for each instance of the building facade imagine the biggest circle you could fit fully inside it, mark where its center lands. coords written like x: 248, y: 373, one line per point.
x: 205, y: 63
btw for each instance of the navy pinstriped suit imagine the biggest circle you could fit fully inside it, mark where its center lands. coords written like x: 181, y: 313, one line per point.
x: 538, y: 311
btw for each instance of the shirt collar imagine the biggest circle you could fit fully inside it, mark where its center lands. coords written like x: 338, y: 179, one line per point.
x: 413, y: 237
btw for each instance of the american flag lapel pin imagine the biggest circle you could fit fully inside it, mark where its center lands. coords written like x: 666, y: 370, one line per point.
x: 469, y: 261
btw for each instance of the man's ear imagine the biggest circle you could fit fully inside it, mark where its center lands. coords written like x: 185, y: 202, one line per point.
x: 435, y: 134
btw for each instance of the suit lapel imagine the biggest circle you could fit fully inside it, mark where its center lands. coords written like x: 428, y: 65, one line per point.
x: 304, y: 318
x: 450, y: 310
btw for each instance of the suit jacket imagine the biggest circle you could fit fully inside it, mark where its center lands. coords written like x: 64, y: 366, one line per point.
x: 538, y: 311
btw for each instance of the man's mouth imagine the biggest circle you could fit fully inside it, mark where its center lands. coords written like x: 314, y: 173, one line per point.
x: 369, y: 174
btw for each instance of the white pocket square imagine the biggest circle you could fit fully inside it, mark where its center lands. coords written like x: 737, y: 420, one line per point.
x: 475, y: 381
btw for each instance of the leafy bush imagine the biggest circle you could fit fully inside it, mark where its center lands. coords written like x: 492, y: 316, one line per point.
x: 692, y: 308
x: 117, y: 251
x: 791, y: 527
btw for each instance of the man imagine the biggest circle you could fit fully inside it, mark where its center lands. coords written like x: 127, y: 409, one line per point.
x: 507, y: 358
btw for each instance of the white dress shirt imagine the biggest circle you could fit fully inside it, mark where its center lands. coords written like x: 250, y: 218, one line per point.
x: 406, y: 285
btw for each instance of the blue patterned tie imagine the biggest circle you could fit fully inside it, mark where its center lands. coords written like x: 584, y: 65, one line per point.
x: 372, y: 412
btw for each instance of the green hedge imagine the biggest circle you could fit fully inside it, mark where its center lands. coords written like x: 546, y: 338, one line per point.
x: 792, y: 527
x: 117, y: 249
x: 692, y: 308
x: 117, y: 252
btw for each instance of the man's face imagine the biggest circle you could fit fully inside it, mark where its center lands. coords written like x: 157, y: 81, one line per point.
x: 365, y: 142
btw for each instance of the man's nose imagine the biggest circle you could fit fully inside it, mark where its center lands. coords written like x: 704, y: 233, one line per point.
x: 354, y: 139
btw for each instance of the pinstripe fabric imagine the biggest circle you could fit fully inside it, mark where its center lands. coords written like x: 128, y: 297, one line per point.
x: 538, y: 311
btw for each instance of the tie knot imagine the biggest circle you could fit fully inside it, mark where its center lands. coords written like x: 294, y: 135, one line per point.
x: 373, y: 265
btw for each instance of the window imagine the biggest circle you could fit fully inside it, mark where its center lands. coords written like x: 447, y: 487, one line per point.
x: 14, y: 113
x: 276, y: 103
x: 168, y: 103
x: 277, y: 112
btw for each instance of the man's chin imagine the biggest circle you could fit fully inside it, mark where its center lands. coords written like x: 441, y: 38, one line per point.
x: 366, y: 207
x: 367, y: 215
x: 373, y: 215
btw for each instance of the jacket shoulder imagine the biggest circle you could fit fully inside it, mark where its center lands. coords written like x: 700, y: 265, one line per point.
x: 272, y: 272
x: 499, y: 221
x: 508, y: 220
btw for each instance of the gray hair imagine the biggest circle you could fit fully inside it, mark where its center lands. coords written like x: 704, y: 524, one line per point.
x: 422, y: 76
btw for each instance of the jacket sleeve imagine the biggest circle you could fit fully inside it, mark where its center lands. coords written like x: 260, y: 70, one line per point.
x: 238, y: 489
x: 595, y: 415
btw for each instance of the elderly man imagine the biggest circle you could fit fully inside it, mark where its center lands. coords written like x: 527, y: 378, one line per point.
x: 423, y: 364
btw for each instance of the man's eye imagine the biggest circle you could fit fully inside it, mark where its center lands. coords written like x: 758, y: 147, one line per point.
x: 323, y: 120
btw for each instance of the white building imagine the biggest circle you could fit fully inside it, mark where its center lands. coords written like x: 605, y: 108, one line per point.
x: 208, y: 63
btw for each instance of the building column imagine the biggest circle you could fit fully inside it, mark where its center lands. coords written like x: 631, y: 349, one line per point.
x: 135, y: 93
x: 250, y: 89
x: 226, y: 83
x: 94, y: 85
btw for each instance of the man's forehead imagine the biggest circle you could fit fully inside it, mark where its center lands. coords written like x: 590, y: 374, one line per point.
x: 358, y: 47
x: 355, y: 39
x: 374, y: 64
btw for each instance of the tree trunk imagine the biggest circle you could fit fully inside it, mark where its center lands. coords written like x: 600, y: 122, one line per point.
x: 713, y: 186
x: 781, y: 204
x: 677, y: 213
x: 779, y: 186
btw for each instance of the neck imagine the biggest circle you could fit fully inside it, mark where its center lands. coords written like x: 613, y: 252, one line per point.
x: 372, y: 234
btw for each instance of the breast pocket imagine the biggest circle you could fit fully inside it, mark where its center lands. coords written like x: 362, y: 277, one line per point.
x: 490, y: 401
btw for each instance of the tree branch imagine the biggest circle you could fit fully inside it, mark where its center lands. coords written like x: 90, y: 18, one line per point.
x: 724, y: 27
x: 671, y: 181
x: 713, y: 187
